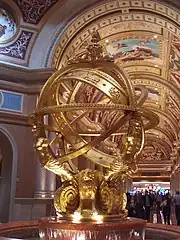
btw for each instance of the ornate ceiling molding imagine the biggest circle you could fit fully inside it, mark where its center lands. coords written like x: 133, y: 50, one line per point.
x: 167, y: 116
x: 33, y: 11
x: 18, y: 48
x: 13, y: 73
x: 156, y: 82
x: 14, y: 119
x: 54, y: 23
x: 157, y: 133
x: 151, y: 139
x: 168, y: 18
x: 166, y: 134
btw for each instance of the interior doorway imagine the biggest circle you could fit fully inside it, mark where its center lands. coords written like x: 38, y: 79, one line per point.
x: 8, y: 171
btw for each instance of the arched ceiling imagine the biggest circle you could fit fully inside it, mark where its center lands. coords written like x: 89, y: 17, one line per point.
x: 142, y: 35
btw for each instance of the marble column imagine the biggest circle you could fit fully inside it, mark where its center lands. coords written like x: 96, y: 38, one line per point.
x: 51, y: 177
x: 45, y: 180
x: 41, y: 177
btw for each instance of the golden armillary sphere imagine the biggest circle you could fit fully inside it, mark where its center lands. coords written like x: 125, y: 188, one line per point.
x: 89, y: 109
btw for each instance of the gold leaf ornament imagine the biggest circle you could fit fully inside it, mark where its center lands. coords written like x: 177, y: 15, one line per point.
x: 66, y: 198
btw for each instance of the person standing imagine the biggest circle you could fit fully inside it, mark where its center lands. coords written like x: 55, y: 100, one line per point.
x: 177, y: 207
x: 147, y: 205
x: 166, y: 209
x: 158, y: 206
x: 139, y: 205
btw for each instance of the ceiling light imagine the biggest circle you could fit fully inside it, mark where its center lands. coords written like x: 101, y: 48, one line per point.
x: 157, y: 103
x: 155, y: 36
x: 107, y: 40
x: 156, y: 65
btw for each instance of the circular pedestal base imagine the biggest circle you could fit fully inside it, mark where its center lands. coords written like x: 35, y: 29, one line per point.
x: 61, y: 229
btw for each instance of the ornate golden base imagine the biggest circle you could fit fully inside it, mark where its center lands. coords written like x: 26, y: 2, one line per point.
x: 94, y: 218
x: 90, y: 194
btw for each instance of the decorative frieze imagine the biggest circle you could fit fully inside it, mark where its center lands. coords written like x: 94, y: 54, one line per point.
x: 19, y: 47
x: 33, y: 11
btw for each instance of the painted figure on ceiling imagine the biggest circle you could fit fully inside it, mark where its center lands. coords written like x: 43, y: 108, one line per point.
x: 2, y: 30
x: 133, y: 49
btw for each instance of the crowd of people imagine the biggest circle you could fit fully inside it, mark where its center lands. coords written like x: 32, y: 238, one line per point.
x: 144, y: 205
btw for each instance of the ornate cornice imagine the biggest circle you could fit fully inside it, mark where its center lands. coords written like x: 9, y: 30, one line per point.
x: 167, y: 146
x: 32, y: 89
x: 14, y: 119
x: 13, y: 73
x: 136, y: 178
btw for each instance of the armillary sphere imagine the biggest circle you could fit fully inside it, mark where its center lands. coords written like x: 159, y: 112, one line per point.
x: 89, y: 108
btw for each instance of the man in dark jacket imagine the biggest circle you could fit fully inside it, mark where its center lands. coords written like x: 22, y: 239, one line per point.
x: 148, y: 202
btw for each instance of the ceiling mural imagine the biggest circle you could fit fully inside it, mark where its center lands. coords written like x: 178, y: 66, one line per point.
x: 134, y: 49
x: 7, y: 26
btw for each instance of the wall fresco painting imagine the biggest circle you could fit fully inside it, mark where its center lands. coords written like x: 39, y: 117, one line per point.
x: 7, y: 26
x: 153, y: 95
x: 134, y: 49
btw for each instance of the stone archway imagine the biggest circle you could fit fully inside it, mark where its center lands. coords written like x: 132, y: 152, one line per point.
x: 8, y: 176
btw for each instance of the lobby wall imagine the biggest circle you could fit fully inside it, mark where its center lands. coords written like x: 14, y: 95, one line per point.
x: 17, y: 127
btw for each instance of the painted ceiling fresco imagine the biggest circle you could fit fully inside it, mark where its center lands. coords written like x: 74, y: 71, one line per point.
x: 7, y: 26
x: 134, y: 49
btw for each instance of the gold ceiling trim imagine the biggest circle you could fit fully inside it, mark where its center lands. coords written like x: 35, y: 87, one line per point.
x: 155, y: 81
x: 167, y: 116
x: 99, y: 11
x: 163, y: 145
x: 164, y: 139
x: 168, y: 134
x: 165, y: 133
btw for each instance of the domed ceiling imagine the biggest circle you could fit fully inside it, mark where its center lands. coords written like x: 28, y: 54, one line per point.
x: 143, y: 37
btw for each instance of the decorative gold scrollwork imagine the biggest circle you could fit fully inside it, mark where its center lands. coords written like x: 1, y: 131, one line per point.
x: 66, y: 198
